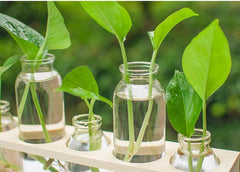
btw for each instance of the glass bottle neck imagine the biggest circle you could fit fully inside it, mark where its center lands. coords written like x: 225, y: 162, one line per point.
x: 138, y: 72
x: 4, y: 107
x: 42, y: 65
x: 197, y: 144
x: 82, y: 123
x: 7, y: 121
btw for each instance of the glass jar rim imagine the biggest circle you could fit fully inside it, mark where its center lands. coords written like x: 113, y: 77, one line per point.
x: 49, y: 58
x: 82, y: 120
x: 196, y: 139
x: 4, y: 105
x: 139, y: 68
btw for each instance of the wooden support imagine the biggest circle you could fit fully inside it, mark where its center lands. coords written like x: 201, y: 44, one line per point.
x: 229, y: 160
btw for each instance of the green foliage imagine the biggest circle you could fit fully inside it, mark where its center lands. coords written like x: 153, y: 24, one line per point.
x: 8, y: 63
x: 57, y: 36
x: 183, y: 104
x: 28, y: 39
x: 161, y: 31
x: 102, y: 49
x: 80, y: 82
x: 207, y: 61
x: 111, y: 16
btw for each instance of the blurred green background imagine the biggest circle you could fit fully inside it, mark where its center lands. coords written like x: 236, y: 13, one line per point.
x: 98, y: 49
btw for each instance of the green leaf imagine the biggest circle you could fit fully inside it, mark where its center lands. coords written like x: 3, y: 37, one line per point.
x: 183, y: 104
x: 80, y: 82
x: 28, y: 39
x: 80, y: 77
x: 207, y: 60
x: 111, y: 16
x: 161, y: 31
x: 57, y: 35
x: 8, y: 63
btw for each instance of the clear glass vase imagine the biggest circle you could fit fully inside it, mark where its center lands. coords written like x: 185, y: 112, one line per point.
x: 139, y: 112
x: 40, y: 108
x: 88, y: 136
x: 10, y: 161
x: 195, y: 153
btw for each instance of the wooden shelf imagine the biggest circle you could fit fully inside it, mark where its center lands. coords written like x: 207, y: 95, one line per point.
x: 229, y: 160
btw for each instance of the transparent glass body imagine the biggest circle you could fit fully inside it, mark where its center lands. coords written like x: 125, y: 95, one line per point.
x: 136, y: 92
x: 38, y: 77
x: 10, y: 161
x: 88, y: 136
x: 191, y: 150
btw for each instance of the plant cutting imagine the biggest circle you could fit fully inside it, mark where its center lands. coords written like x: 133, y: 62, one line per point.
x: 38, y: 118
x: 7, y: 64
x: 115, y: 19
x: 88, y: 135
x: 9, y: 160
x: 35, y: 48
x: 206, y: 64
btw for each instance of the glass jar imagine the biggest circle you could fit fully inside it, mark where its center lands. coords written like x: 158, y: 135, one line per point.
x: 88, y: 136
x: 193, y: 151
x: 10, y: 161
x: 139, y: 112
x: 40, y: 108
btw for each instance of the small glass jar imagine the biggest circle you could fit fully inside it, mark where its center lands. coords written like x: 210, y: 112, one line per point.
x: 10, y: 161
x: 40, y: 108
x: 88, y: 136
x: 139, y: 112
x: 193, y: 151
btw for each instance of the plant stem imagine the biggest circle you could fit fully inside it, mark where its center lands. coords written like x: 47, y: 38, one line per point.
x: 131, y: 144
x: 87, y: 103
x: 154, y: 55
x: 39, y: 111
x: 204, y: 119
x: 40, y: 116
x: 94, y: 145
x: 144, y: 124
x: 190, y: 165
x: 91, y: 118
x: 48, y: 164
x: 124, y: 56
x: 43, y: 161
x: 22, y: 103
x: 200, y: 160
x: 136, y: 146
x: 129, y: 104
x: 91, y: 113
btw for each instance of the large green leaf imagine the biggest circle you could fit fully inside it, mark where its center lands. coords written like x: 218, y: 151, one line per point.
x: 80, y: 82
x: 110, y: 15
x: 183, y: 104
x: 28, y: 39
x: 161, y: 31
x: 207, y: 60
x: 57, y: 35
x: 8, y: 63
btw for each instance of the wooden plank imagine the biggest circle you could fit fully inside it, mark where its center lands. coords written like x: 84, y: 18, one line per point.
x: 229, y: 160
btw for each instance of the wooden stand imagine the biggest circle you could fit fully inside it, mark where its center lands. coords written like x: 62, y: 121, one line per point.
x: 229, y: 160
